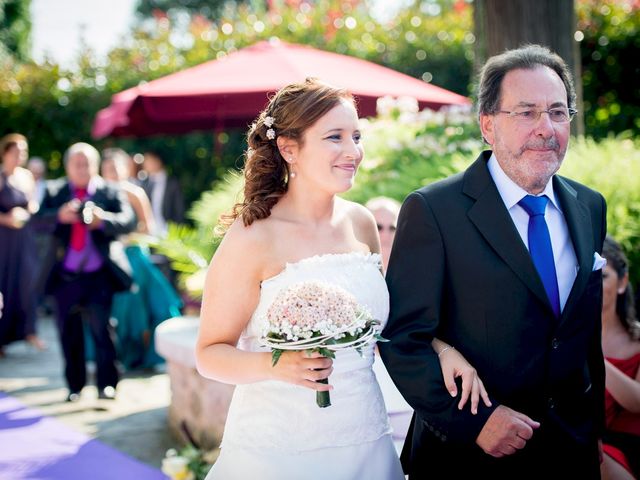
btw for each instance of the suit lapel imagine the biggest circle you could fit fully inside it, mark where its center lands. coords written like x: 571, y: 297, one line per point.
x: 579, y: 223
x: 492, y: 219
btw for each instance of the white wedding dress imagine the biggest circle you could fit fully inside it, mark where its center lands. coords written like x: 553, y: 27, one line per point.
x: 275, y: 430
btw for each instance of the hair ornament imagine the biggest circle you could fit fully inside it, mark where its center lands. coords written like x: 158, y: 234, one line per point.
x: 269, y: 121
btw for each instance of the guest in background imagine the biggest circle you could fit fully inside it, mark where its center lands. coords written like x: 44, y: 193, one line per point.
x: 38, y: 169
x: 18, y: 261
x: 621, y: 347
x: 167, y: 204
x: 115, y: 167
x: 85, y: 214
x: 152, y: 299
x: 164, y: 192
x: 385, y: 210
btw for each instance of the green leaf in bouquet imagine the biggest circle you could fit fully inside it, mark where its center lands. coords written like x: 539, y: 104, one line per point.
x: 275, y: 356
x: 325, y: 352
x: 380, y: 338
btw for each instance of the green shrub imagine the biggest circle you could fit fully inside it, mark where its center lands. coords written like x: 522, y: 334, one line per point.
x: 612, y: 167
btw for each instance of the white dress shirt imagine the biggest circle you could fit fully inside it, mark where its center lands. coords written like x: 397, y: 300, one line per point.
x: 564, y: 255
x: 159, y: 182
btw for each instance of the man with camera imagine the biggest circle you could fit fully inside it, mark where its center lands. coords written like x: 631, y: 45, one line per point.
x: 85, y: 215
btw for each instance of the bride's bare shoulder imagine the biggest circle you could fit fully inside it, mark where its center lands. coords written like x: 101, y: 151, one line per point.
x: 363, y: 222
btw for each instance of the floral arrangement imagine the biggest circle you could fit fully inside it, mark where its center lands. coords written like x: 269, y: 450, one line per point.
x: 318, y: 317
x: 190, y: 463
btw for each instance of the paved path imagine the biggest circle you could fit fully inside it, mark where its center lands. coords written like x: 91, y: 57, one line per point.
x: 135, y: 423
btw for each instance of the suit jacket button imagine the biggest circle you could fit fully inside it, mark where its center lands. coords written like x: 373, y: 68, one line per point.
x: 551, y: 403
x: 555, y: 343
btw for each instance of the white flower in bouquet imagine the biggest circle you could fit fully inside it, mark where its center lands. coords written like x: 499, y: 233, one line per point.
x: 318, y: 317
x: 176, y: 467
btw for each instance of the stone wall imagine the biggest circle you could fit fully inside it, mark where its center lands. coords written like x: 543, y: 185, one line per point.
x: 196, y: 402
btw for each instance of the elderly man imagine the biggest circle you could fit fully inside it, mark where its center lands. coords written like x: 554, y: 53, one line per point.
x: 85, y: 215
x: 501, y: 261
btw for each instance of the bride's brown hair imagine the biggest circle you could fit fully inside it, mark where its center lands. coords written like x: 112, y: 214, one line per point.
x: 291, y: 111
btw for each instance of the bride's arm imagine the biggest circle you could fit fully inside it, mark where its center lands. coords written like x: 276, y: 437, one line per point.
x: 231, y: 293
x: 454, y: 365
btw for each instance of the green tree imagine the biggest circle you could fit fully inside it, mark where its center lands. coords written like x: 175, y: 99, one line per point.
x: 15, y: 28
x: 610, y: 41
x: 173, y: 8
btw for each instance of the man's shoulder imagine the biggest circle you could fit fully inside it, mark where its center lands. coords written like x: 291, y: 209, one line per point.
x: 442, y: 189
x: 582, y: 192
x: 56, y: 186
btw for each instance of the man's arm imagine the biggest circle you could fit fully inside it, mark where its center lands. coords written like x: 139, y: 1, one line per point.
x: 118, y: 217
x: 416, y: 279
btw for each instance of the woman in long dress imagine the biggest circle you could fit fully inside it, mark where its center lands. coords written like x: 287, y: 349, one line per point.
x: 304, y: 150
x: 18, y: 259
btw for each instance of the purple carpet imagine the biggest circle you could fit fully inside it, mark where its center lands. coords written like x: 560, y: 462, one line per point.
x: 36, y: 447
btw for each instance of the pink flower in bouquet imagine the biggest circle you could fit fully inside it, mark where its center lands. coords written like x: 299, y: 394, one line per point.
x: 311, y: 308
x: 320, y: 317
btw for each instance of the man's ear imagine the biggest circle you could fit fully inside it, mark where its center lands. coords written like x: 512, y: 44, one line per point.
x: 288, y: 148
x: 487, y: 128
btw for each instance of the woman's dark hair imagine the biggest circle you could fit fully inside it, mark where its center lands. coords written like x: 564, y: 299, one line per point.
x: 290, y: 112
x: 625, y: 304
x: 10, y: 140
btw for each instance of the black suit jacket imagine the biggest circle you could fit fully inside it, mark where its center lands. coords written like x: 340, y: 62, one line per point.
x: 460, y: 271
x: 172, y: 202
x: 119, y: 219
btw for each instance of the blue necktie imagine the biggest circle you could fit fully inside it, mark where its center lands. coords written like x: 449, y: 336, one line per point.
x: 540, y: 247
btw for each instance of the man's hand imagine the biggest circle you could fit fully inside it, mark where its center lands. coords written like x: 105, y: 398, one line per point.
x: 505, y: 432
x: 68, y: 212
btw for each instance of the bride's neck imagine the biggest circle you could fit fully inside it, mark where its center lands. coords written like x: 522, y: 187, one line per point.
x: 309, y: 207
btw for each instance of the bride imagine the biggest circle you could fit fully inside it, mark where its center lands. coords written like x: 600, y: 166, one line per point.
x: 304, y: 150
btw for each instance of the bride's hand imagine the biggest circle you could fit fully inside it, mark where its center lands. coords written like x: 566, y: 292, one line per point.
x: 454, y: 365
x: 304, y: 369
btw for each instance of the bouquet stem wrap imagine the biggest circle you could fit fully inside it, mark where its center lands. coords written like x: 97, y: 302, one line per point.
x: 323, y: 399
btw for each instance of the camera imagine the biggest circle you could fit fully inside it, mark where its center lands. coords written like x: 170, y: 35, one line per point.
x: 86, y: 212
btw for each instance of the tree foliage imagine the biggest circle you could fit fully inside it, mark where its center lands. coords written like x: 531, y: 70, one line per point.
x: 15, y: 28
x: 610, y: 41
x: 428, y: 39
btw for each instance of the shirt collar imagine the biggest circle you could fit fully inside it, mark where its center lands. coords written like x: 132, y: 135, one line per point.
x: 510, y: 191
x: 94, y: 184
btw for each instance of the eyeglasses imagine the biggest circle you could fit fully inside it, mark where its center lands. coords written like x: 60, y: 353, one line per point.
x: 530, y: 117
x: 391, y: 228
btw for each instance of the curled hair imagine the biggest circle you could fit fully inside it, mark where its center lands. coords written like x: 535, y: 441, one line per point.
x: 290, y: 113
x: 527, y: 57
x: 625, y: 304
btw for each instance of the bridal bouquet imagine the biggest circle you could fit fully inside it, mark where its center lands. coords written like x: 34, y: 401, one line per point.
x: 318, y: 317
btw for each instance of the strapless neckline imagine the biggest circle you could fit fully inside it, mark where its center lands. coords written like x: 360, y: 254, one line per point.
x: 324, y: 259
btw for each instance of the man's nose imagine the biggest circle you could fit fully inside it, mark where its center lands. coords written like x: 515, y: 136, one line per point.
x: 544, y: 126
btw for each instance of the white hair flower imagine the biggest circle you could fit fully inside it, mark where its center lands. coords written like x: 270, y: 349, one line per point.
x: 269, y: 121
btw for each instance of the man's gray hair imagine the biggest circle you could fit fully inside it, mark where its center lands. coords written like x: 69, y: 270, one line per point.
x: 87, y: 150
x: 526, y: 57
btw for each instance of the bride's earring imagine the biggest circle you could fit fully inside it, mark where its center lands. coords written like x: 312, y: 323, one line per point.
x: 292, y: 174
